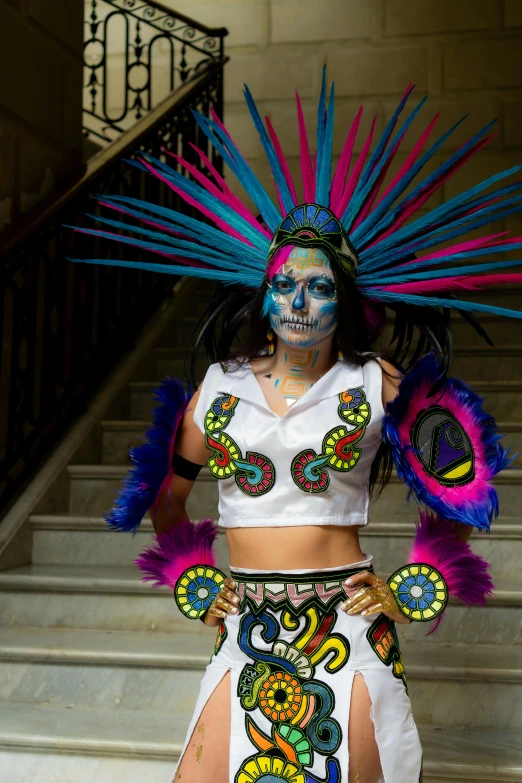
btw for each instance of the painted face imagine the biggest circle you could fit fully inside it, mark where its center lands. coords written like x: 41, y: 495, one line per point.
x: 301, y: 299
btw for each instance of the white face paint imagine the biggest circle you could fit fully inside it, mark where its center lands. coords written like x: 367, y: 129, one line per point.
x: 302, y: 300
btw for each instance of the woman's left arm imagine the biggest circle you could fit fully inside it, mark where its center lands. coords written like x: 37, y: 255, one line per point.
x: 370, y: 593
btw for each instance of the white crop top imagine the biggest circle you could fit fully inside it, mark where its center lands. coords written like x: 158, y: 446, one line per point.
x: 308, y: 467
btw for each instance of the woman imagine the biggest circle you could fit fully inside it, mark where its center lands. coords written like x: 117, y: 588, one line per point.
x: 307, y: 683
x: 313, y: 532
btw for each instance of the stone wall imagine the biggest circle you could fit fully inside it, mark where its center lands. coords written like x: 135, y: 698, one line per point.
x: 465, y: 54
x: 40, y: 99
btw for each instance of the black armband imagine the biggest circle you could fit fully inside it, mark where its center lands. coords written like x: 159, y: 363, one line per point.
x: 184, y: 467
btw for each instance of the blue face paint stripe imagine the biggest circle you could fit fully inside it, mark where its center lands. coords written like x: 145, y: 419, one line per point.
x: 299, y: 299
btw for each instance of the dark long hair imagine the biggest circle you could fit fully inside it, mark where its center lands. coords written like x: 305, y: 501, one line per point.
x: 233, y: 329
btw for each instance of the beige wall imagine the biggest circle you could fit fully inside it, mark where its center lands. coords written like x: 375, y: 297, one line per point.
x: 40, y: 99
x: 466, y: 54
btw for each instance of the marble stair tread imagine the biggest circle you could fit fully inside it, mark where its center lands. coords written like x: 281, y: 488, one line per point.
x: 91, y: 730
x: 126, y: 579
x: 401, y: 525
x: 68, y: 578
x: 393, y: 525
x: 481, y: 754
x: 121, y: 648
x: 424, y: 660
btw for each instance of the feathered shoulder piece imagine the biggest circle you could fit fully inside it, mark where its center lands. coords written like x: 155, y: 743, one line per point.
x: 152, y: 460
x: 444, y: 445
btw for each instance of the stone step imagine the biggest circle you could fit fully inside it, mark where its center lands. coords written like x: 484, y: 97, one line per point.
x: 119, y: 436
x: 83, y: 540
x: 93, y: 489
x: 450, y: 685
x: 502, y: 399
x: 90, y: 746
x: 69, y: 597
x: 478, y: 362
x: 28, y: 763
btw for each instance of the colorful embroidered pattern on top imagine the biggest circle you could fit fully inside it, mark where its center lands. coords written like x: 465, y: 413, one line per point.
x: 254, y: 474
x: 384, y: 640
x: 310, y: 470
x: 280, y: 683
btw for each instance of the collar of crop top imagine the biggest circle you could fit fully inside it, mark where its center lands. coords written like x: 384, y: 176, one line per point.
x: 242, y: 382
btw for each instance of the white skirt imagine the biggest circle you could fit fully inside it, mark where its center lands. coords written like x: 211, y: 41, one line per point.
x: 293, y: 653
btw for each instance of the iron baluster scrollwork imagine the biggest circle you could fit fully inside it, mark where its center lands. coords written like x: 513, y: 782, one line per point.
x: 135, y: 54
x: 64, y: 326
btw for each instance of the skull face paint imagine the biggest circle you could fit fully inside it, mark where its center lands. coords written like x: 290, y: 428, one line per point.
x: 301, y: 299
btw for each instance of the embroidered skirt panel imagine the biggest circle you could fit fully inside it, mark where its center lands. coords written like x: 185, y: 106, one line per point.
x: 293, y: 654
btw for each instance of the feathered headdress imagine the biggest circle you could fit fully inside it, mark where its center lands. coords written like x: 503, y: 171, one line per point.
x: 374, y: 233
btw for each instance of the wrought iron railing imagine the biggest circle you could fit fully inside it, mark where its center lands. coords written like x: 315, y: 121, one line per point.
x: 136, y: 53
x: 63, y: 326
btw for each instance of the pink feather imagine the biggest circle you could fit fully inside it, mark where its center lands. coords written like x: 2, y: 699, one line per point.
x: 233, y: 200
x: 193, y: 202
x: 182, y: 546
x: 354, y: 176
x: 410, y: 160
x: 343, y: 165
x: 466, y: 574
x: 275, y: 263
x: 468, y: 283
x: 461, y: 247
x: 282, y: 161
x: 306, y: 162
x: 413, y: 205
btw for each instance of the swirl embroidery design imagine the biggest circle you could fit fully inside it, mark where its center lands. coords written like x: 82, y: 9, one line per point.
x: 254, y: 474
x: 310, y: 471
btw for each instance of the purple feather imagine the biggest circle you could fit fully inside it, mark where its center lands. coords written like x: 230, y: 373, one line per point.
x: 182, y: 546
x: 152, y: 460
x: 466, y: 574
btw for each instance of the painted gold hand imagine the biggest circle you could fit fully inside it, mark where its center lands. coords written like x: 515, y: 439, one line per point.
x: 226, y: 602
x: 374, y: 595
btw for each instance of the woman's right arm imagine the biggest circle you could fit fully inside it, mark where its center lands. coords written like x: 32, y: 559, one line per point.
x: 190, y: 444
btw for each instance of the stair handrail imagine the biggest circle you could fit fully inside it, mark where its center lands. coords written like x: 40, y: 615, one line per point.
x: 64, y: 325
x: 189, y: 47
x: 95, y: 166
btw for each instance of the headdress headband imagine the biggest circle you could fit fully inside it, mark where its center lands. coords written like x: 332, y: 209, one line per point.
x: 391, y: 245
x: 310, y: 225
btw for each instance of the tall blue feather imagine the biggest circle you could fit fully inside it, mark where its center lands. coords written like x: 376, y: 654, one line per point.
x: 381, y: 219
x: 152, y: 460
x: 324, y: 166
x: 279, y: 177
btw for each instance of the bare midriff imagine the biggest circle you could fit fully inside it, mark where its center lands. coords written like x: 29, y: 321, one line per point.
x: 283, y: 548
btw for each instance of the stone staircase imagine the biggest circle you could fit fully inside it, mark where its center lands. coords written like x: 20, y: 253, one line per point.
x: 99, y: 673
